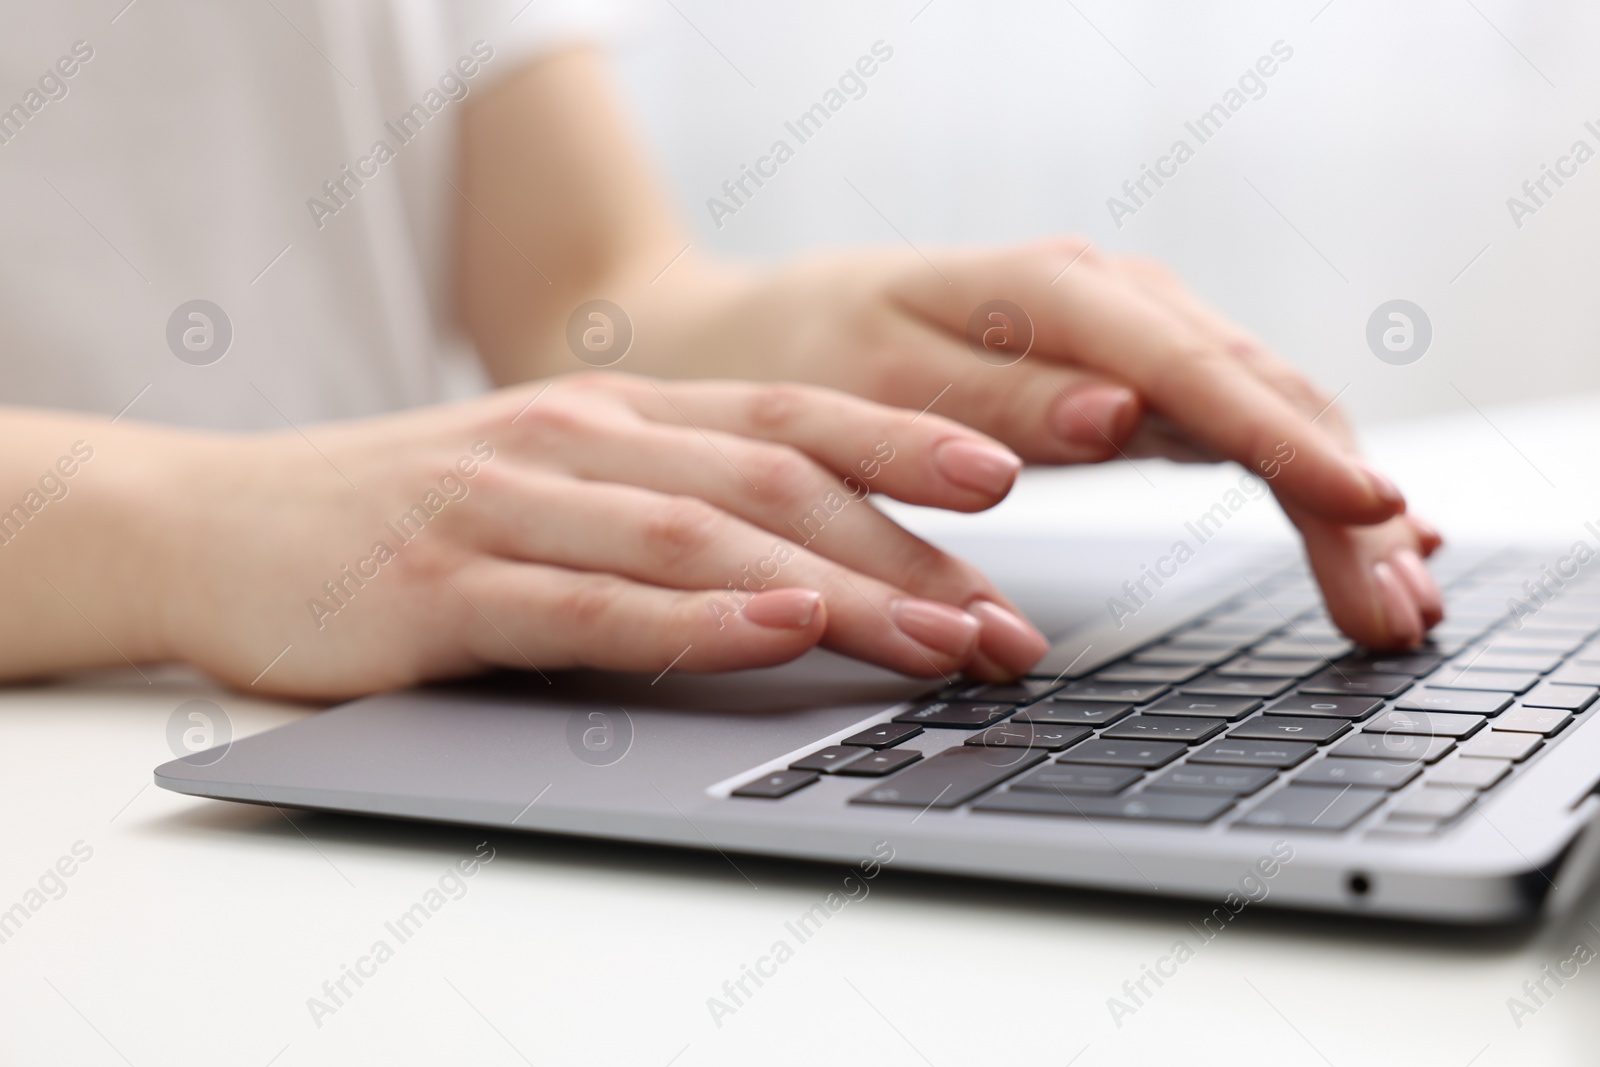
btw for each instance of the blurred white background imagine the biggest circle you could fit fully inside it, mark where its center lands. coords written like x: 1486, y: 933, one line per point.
x: 1389, y: 143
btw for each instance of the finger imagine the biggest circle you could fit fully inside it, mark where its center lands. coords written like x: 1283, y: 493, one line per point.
x: 1405, y: 589
x: 1046, y: 412
x: 1413, y: 574
x: 917, y: 457
x: 1157, y: 437
x: 1375, y: 585
x: 685, y: 543
x: 1429, y: 538
x: 1241, y: 344
x: 779, y: 489
x: 1225, y: 408
x: 1098, y: 320
x: 540, y: 617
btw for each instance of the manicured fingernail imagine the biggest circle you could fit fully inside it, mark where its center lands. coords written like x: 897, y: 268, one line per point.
x: 783, y: 609
x: 1400, y: 614
x: 986, y: 469
x: 1094, y: 415
x: 1008, y: 639
x: 1430, y: 536
x: 937, y: 626
x: 1382, y: 488
x: 1415, y: 574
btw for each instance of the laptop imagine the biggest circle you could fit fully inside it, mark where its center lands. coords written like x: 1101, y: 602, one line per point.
x: 1210, y: 736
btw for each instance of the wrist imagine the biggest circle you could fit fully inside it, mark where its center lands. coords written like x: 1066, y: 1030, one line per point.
x: 148, y: 509
x: 85, y: 545
x: 681, y: 313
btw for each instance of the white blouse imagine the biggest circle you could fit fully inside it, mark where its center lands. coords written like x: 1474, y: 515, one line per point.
x: 235, y: 215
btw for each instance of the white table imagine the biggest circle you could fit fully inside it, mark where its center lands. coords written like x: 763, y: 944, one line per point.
x: 197, y: 931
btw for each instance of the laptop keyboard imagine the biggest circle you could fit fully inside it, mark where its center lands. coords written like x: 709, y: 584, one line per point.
x: 1259, y: 714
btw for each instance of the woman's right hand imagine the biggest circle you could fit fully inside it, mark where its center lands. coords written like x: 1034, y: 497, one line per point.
x: 599, y: 520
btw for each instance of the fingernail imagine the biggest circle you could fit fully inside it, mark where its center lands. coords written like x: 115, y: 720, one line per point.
x: 982, y: 468
x: 1430, y: 536
x: 1382, y: 488
x: 937, y: 626
x: 1399, y: 610
x: 1008, y: 639
x: 1415, y: 574
x: 783, y: 609
x: 1094, y: 415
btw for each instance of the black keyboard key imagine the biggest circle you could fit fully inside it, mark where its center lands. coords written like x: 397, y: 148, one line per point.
x: 1403, y: 830
x: 956, y: 715
x: 1335, y: 683
x: 1222, y: 642
x: 1437, y: 803
x: 1314, y: 807
x: 1411, y: 664
x: 1404, y: 749
x: 1289, y: 728
x: 829, y: 759
x: 1364, y: 772
x: 878, y: 764
x: 1565, y: 697
x: 1555, y: 623
x: 883, y: 735
x: 1147, y: 807
x: 1257, y: 667
x: 777, y: 784
x: 1427, y: 723
x: 1502, y: 744
x: 1178, y: 656
x: 1022, y: 691
x: 1125, y: 753
x: 1030, y: 735
x: 1513, y: 641
x: 1574, y: 615
x: 1473, y: 678
x: 1079, y: 778
x: 1229, y: 631
x: 1147, y: 673
x: 1229, y: 708
x: 1280, y: 754
x: 1074, y: 713
x: 1290, y: 645
x: 1537, y: 662
x: 1459, y: 700
x: 1325, y: 706
x: 1227, y: 781
x: 1108, y: 692
x: 1469, y: 772
x: 1545, y: 721
x: 1164, y: 728
x: 1577, y: 674
x: 1449, y: 644
x: 947, y: 780
x: 1217, y: 686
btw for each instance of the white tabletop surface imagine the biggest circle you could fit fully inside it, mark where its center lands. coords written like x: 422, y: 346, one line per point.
x: 197, y: 931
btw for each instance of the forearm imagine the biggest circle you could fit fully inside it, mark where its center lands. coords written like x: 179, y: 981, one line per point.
x: 82, y: 520
x: 558, y: 207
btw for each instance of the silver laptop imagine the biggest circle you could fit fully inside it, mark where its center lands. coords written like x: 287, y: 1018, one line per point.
x: 1205, y: 734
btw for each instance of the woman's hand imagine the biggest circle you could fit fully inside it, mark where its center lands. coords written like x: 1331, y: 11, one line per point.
x: 1108, y: 358
x: 1120, y: 358
x: 598, y: 520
